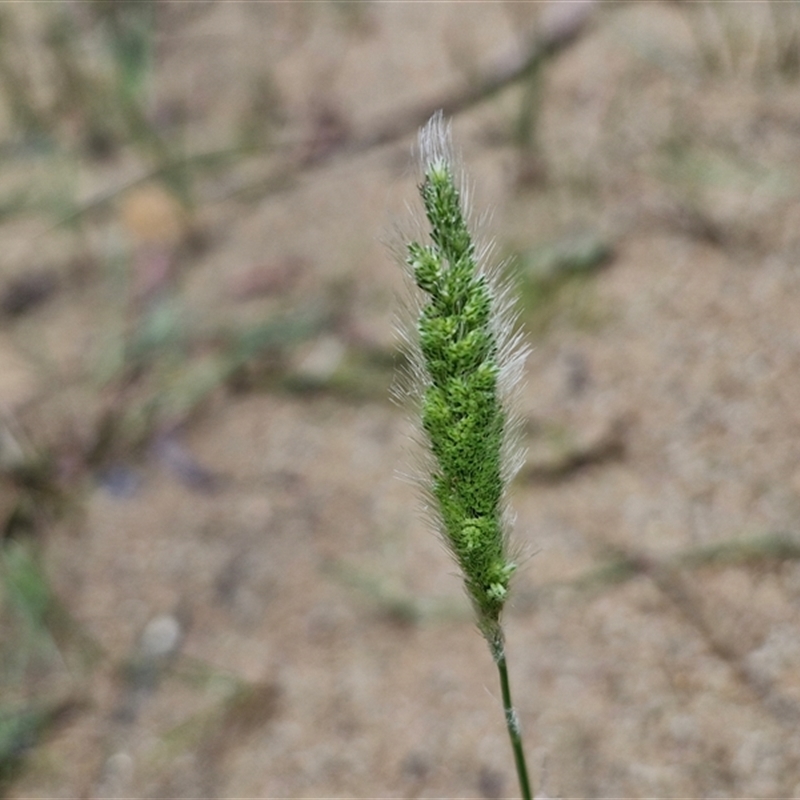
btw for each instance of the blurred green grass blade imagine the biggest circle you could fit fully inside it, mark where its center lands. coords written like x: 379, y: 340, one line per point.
x: 24, y: 585
x: 573, y: 255
x: 130, y: 42
x: 22, y: 729
x: 278, y: 332
x: 19, y: 731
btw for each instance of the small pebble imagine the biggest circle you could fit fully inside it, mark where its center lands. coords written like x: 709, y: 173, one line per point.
x: 160, y: 637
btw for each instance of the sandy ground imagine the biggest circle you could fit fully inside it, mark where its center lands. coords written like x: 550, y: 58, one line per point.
x: 294, y: 630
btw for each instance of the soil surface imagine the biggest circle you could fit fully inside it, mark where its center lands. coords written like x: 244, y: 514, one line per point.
x: 245, y: 599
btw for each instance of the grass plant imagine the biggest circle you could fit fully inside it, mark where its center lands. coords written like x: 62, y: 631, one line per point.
x: 464, y: 361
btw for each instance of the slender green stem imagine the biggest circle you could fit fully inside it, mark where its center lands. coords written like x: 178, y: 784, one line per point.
x: 512, y: 723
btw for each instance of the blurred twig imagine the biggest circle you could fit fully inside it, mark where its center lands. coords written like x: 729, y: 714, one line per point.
x: 564, y: 30
x: 179, y: 164
x: 554, y: 37
x: 667, y: 574
x: 298, y: 157
x: 395, y: 603
x: 625, y: 565
x: 684, y: 598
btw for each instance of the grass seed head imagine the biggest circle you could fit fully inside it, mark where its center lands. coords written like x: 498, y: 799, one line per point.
x: 468, y: 360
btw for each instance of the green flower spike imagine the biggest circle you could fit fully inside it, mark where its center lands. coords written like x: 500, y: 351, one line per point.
x: 465, y: 360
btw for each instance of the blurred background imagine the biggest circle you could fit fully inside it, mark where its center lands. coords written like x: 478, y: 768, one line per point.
x: 212, y: 582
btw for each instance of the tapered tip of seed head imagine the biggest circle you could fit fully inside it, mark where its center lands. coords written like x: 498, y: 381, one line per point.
x: 436, y: 143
